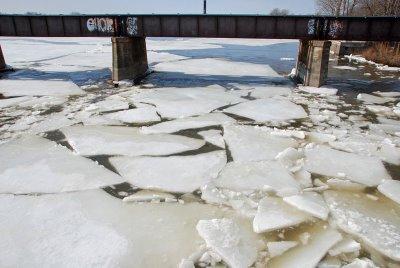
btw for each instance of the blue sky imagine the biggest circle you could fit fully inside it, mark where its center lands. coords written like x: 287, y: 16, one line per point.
x: 156, y: 6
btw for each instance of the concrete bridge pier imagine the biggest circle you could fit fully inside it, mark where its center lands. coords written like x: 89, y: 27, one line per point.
x: 312, y: 62
x: 2, y: 61
x: 129, y: 58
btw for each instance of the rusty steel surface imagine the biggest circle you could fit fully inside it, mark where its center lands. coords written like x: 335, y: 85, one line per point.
x: 223, y: 26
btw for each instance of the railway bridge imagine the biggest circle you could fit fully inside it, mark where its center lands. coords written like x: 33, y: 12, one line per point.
x: 128, y: 33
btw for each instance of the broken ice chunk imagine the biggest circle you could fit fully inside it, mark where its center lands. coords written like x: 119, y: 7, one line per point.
x: 236, y: 247
x: 391, y: 189
x: 347, y: 245
x: 319, y: 137
x: 273, y: 214
x: 50, y: 123
x: 263, y: 92
x: 111, y: 103
x: 388, y: 94
x: 361, y: 263
x: 248, y: 143
x: 108, y: 140
x: 309, y: 202
x: 319, y: 90
x: 213, y: 136
x: 265, y: 175
x: 376, y: 223
x: 34, y: 87
x: 278, y: 248
x: 180, y: 174
x: 362, y: 169
x: 148, y: 196
x: 367, y: 98
x: 37, y: 165
x: 310, y: 254
x: 136, y: 116
x: 268, y: 110
x: 340, y: 184
x: 201, y: 121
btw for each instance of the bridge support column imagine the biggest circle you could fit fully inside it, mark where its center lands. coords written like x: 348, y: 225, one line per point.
x: 312, y: 62
x: 2, y: 61
x: 129, y: 58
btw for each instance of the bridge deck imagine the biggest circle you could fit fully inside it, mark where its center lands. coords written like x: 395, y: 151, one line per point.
x: 225, y: 26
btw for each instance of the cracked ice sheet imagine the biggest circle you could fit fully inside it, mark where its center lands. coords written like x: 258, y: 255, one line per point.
x: 136, y: 116
x: 38, y: 87
x: 322, y: 238
x: 236, y: 245
x: 375, y: 222
x: 37, y: 165
x: 268, y: 110
x: 366, y: 170
x: 264, y: 175
x: 92, y: 228
x: 218, y: 67
x: 180, y: 174
x: 184, y: 102
x: 212, y: 119
x: 129, y: 141
x: 248, y: 143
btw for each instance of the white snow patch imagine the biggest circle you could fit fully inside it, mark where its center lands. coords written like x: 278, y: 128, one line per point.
x: 181, y: 174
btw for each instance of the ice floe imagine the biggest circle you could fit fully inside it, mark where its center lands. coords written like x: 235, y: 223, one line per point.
x: 309, y: 202
x: 278, y: 248
x: 319, y: 90
x: 376, y: 223
x: 248, y: 143
x: 230, y: 240
x: 181, y: 174
x: 264, y: 175
x: 213, y: 136
x: 92, y: 228
x: 37, y: 165
x: 274, y: 214
x: 268, y: 110
x: 262, y: 92
x: 325, y: 161
x: 207, y: 120
x: 108, y: 140
x: 136, y: 116
x: 22, y: 87
x: 391, y: 189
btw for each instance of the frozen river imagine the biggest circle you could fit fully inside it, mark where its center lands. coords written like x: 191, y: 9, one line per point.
x: 217, y: 159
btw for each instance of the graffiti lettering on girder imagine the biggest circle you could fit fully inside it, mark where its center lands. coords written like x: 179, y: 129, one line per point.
x: 132, y: 26
x: 105, y: 25
x: 311, y: 27
x: 335, y: 29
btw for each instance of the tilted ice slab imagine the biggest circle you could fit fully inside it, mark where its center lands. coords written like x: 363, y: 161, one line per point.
x: 391, y: 189
x: 367, y: 98
x: 248, y: 143
x: 107, y: 140
x: 213, y: 136
x: 136, y: 116
x: 274, y: 214
x: 201, y: 121
x: 36, y: 165
x: 264, y: 175
x: 263, y: 92
x: 217, y: 67
x: 309, y: 202
x: 181, y: 174
x: 319, y: 90
x: 362, y: 169
x: 376, y: 223
x: 38, y: 87
x: 184, y: 102
x: 92, y: 229
x: 236, y: 246
x: 267, y: 110
x: 51, y: 123
x: 309, y: 254
x: 278, y: 248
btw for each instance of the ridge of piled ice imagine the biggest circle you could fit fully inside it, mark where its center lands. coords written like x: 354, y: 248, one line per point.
x: 274, y: 214
x: 268, y: 110
x: 37, y: 165
x: 248, y: 143
x: 108, y: 140
x: 201, y: 121
x: 35, y: 87
x: 310, y: 254
x: 136, y: 116
x: 391, y: 189
x: 236, y: 247
x: 264, y: 175
x: 376, y: 223
x: 325, y: 161
x: 92, y: 228
x: 309, y: 202
x: 181, y: 174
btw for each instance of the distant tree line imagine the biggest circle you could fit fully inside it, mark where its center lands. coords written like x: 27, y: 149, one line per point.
x: 359, y: 7
x: 279, y: 12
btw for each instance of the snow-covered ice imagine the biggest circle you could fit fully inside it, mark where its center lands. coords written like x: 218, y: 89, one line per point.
x: 107, y: 140
x: 361, y: 169
x: 268, y: 110
x: 37, y: 165
x: 181, y: 174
